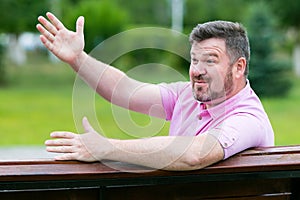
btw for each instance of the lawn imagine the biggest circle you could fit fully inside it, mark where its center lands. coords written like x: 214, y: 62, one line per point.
x: 284, y: 114
x: 39, y: 99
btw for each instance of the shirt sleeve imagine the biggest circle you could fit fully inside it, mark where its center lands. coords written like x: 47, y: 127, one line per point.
x: 169, y: 94
x: 239, y: 132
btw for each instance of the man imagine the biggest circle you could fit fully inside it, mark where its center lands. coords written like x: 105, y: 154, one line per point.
x: 213, y: 117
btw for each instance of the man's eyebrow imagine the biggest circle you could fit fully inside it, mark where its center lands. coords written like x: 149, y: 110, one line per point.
x: 210, y: 54
x: 207, y: 54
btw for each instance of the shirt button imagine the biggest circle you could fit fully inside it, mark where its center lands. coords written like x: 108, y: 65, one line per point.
x: 225, y: 144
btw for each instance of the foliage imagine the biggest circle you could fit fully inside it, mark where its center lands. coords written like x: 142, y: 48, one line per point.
x: 17, y: 16
x: 268, y: 75
x: 287, y: 11
x: 206, y: 10
x: 106, y: 18
x: 152, y: 12
x: 102, y: 20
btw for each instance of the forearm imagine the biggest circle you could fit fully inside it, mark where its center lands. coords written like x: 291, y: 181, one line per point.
x: 116, y: 87
x: 98, y: 75
x: 168, y: 153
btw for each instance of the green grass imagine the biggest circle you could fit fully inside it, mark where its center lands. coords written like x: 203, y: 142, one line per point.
x: 38, y: 100
x: 284, y: 114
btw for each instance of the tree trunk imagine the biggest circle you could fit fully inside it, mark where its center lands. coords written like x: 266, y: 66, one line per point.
x: 296, y: 59
x: 15, y: 51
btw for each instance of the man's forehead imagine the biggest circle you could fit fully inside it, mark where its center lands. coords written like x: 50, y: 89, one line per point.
x: 209, y: 46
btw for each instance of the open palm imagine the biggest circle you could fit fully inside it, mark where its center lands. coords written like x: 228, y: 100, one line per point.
x: 63, y: 43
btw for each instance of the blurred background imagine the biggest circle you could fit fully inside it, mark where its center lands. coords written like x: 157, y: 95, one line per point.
x: 36, y: 89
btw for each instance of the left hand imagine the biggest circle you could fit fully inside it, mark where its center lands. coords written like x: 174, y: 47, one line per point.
x: 87, y: 147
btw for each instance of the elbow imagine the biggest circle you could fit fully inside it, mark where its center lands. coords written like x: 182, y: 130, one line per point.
x: 199, y: 160
x: 193, y: 162
x: 186, y: 163
x: 200, y: 154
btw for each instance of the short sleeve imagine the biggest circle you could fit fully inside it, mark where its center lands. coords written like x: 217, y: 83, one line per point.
x: 170, y: 93
x: 239, y: 132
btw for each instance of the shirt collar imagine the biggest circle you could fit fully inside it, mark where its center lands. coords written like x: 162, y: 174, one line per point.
x: 229, y: 104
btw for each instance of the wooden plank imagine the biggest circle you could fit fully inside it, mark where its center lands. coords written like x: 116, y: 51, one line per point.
x: 239, y: 163
x: 204, y: 190
x: 292, y: 149
x: 78, y: 194
x: 254, y: 160
x: 259, y: 162
x: 262, y: 173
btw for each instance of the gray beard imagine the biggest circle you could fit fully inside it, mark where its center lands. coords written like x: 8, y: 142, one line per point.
x: 210, y: 95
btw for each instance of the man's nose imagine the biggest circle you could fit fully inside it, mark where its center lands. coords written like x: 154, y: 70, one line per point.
x: 198, y: 69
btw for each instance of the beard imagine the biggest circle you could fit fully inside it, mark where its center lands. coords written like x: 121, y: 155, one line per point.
x: 214, y: 93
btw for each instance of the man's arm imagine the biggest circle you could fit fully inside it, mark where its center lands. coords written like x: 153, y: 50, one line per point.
x: 169, y: 152
x: 116, y: 87
x: 166, y: 152
x: 109, y: 82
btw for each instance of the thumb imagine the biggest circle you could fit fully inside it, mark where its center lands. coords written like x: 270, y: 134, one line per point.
x: 87, y: 126
x: 80, y: 25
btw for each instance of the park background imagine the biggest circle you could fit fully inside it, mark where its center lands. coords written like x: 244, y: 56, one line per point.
x: 36, y: 90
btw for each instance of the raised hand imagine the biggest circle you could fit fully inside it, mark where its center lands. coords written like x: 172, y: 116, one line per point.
x: 63, y: 43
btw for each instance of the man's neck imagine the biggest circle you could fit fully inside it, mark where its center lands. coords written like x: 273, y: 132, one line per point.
x: 232, y: 93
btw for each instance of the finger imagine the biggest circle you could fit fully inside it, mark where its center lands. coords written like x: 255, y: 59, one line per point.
x: 60, y: 149
x: 80, y: 25
x: 49, y: 26
x: 87, y: 126
x: 47, y: 43
x: 63, y: 134
x: 59, y: 142
x: 45, y: 33
x: 55, y: 21
x: 66, y: 156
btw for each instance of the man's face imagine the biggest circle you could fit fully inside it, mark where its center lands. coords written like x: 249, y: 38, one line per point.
x: 210, y: 71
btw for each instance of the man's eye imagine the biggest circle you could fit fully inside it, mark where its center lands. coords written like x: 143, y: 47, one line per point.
x: 195, y: 61
x: 210, y: 61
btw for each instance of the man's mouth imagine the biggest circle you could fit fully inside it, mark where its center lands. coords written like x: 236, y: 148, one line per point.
x: 200, y: 82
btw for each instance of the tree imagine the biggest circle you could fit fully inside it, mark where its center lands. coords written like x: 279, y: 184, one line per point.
x: 17, y: 16
x: 206, y: 10
x: 268, y: 75
x: 103, y: 19
x: 145, y: 13
x: 288, y: 13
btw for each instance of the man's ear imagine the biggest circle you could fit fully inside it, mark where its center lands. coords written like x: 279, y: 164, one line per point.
x: 239, y: 67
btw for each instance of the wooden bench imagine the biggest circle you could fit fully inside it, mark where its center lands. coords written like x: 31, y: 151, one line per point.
x: 261, y: 173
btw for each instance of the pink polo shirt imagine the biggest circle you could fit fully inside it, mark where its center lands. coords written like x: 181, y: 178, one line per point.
x: 238, y: 123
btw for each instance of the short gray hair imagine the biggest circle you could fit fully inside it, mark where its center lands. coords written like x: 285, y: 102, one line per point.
x: 234, y: 35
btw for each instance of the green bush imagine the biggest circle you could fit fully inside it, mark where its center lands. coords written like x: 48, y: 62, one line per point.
x: 268, y: 75
x: 102, y: 20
